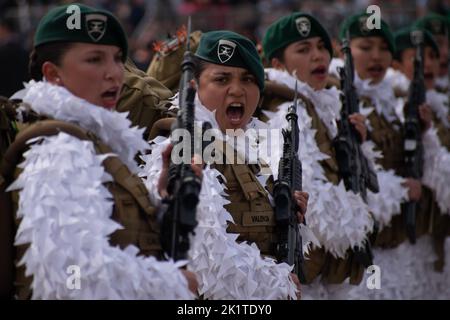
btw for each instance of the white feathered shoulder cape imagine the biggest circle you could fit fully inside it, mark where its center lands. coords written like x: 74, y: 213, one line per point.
x: 436, y: 157
x: 225, y: 269
x: 338, y: 218
x: 66, y: 209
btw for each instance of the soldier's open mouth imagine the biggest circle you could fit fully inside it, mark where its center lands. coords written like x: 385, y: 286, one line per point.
x: 235, y: 112
x: 319, y: 70
x: 110, y: 93
x: 110, y: 97
x: 376, y: 70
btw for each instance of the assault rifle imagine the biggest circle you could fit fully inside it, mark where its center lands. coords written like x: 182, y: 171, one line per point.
x: 354, y: 168
x: 413, y: 148
x: 289, y: 246
x: 184, y: 186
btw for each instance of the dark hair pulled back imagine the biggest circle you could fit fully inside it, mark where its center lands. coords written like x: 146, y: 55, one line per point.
x: 52, y: 52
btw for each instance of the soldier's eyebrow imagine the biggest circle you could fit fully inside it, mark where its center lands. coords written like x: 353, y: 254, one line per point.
x: 221, y: 73
x: 242, y: 73
x: 372, y: 42
x: 303, y: 43
x: 308, y: 42
x: 94, y: 51
x: 98, y: 51
x: 368, y: 40
x: 247, y: 73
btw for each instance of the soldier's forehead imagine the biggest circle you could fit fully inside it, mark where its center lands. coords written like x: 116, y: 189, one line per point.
x: 224, y: 69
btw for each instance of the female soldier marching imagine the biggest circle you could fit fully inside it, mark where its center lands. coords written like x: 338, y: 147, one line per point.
x: 79, y: 204
x: 229, y: 78
x: 299, y: 50
x: 406, y: 267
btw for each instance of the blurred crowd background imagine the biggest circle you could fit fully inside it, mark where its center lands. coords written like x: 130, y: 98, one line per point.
x: 147, y: 21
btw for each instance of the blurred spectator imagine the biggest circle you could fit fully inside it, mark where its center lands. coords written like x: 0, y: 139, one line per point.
x: 148, y: 20
x: 13, y: 59
x: 137, y: 12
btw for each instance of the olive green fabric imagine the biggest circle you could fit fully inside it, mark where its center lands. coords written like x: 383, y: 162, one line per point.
x: 325, y: 145
x: 295, y: 27
x: 357, y: 27
x: 253, y: 215
x: 442, y: 131
x: 403, y: 40
x: 388, y: 138
x: 167, y: 68
x: 393, y: 235
x: 228, y: 48
x: 143, y: 97
x: 95, y: 26
x: 332, y: 270
x: 435, y: 24
x: 429, y: 220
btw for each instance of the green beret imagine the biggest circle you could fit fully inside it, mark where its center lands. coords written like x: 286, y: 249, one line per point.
x: 295, y: 27
x: 435, y: 24
x: 403, y: 40
x: 231, y: 49
x: 63, y: 24
x: 357, y: 27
